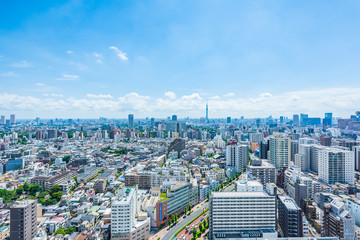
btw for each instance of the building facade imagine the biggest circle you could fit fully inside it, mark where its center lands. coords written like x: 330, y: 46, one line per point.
x: 23, y: 220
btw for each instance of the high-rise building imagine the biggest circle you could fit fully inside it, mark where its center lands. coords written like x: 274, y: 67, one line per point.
x: 12, y: 119
x: 23, y: 220
x: 152, y: 120
x: 336, y: 166
x: 296, y: 121
x: 125, y: 224
x: 131, y: 121
x: 248, y: 209
x: 281, y: 119
x: 52, y: 133
x: 290, y: 219
x: 327, y: 121
x: 256, y: 137
x: 325, y: 140
x: 178, y: 198
x: 237, y: 156
x: 174, y: 118
x: 280, y: 151
x: 294, y: 149
x: 357, y: 158
x: 307, y: 140
x: 39, y: 135
x: 337, y: 221
x: 207, y: 112
x: 302, y: 118
x: 263, y: 149
x: 348, y: 143
x: 228, y: 120
x: 263, y: 171
x: 314, y: 159
x: 301, y: 193
x: 304, y: 158
x: 3, y: 120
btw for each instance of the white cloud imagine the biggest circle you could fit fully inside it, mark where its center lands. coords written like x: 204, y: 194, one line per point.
x: 119, y: 53
x: 99, y: 57
x: 22, y: 64
x: 229, y: 95
x: 266, y: 95
x: 69, y: 52
x: 53, y: 95
x: 214, y: 98
x: 170, y: 95
x: 341, y: 101
x: 8, y: 74
x: 68, y: 77
x: 40, y: 84
x: 99, y: 96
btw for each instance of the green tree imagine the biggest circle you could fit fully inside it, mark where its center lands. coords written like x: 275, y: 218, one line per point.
x: 185, y: 210
x: 26, y: 187
x: 50, y: 202
x: 57, y: 195
x: 66, y: 158
x: 70, y: 230
x: 42, y: 194
x: 19, y: 190
x: 55, y: 188
x: 60, y: 231
x: 34, y: 188
x: 201, y: 227
x: 205, y: 224
x: 70, y: 134
x: 194, y: 231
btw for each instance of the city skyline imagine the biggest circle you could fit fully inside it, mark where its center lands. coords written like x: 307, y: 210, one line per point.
x: 89, y: 59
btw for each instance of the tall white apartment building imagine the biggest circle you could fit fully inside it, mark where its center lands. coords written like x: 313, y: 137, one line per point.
x: 256, y: 137
x: 237, y: 156
x: 248, y: 210
x: 280, y: 151
x: 303, y: 161
x: 336, y: 165
x: 314, y: 159
x: 123, y: 213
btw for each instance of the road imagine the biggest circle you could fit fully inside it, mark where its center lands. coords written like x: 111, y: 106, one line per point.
x: 170, y: 234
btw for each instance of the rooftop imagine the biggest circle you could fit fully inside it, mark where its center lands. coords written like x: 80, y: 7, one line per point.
x: 239, y: 194
x: 21, y: 204
x: 289, y: 203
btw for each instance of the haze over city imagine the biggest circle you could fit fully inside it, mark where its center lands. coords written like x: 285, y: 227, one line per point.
x: 86, y: 59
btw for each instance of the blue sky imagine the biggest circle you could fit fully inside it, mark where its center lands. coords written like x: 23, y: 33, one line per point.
x: 156, y: 58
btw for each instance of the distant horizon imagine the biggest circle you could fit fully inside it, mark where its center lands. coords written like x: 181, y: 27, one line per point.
x: 166, y: 118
